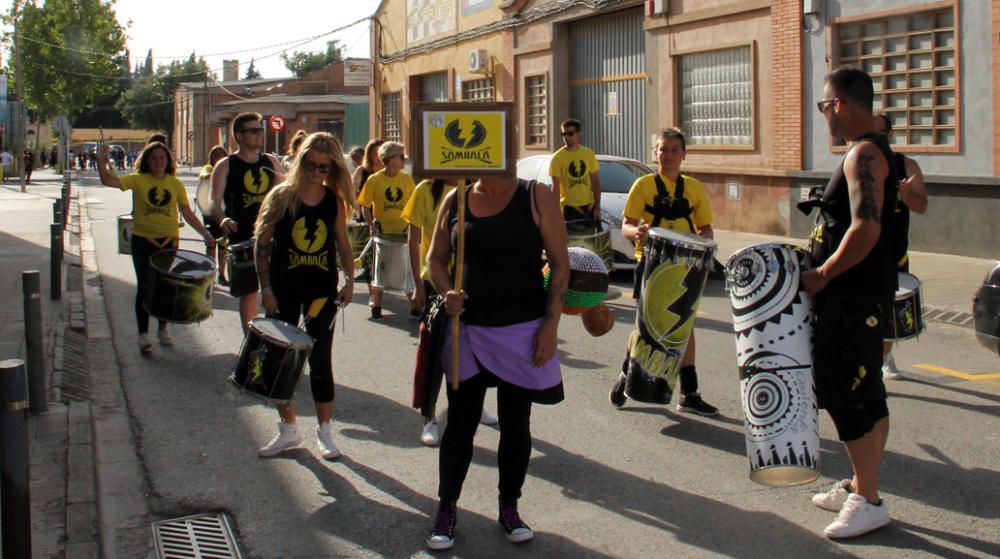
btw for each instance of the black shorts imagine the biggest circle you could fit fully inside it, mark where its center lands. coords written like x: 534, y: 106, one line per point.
x: 213, y: 227
x: 847, y: 353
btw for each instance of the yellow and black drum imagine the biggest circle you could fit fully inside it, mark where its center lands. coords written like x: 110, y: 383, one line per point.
x: 675, y: 271
x: 592, y: 235
x: 242, y: 271
x: 125, y: 226
x: 180, y: 286
x: 358, y: 235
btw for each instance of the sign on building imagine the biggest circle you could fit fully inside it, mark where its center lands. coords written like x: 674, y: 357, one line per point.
x: 357, y: 73
x: 463, y: 139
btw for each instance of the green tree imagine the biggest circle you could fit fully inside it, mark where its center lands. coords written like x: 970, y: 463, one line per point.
x: 302, y: 63
x: 252, y: 73
x: 149, y: 103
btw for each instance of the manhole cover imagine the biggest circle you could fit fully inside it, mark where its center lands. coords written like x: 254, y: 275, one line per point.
x: 195, y: 537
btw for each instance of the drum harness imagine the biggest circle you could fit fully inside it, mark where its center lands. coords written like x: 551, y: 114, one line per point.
x: 666, y: 208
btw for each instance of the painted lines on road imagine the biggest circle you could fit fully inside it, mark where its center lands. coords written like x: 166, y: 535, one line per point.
x: 981, y: 377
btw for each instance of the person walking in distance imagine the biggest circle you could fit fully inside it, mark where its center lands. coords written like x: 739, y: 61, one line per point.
x: 216, y: 154
x: 239, y: 183
x: 574, y: 175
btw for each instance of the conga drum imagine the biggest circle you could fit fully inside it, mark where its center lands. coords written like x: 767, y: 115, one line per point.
x: 392, y: 264
x: 904, y: 320
x: 592, y: 235
x: 772, y: 318
x: 179, y: 287
x: 271, y: 359
x: 125, y: 226
x: 675, y: 271
x: 242, y: 271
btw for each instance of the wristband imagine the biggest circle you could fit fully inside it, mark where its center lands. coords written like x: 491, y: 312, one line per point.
x: 266, y: 291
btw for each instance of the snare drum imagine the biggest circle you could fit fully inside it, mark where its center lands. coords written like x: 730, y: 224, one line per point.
x: 358, y: 235
x: 592, y: 235
x: 905, y: 320
x: 271, y: 359
x: 242, y: 271
x: 125, y: 226
x: 179, y: 287
x: 675, y: 269
x: 392, y: 264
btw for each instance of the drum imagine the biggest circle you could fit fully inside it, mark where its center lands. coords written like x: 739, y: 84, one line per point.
x: 271, y: 359
x: 392, y: 264
x: 203, y: 196
x: 179, y: 287
x: 125, y: 226
x: 592, y: 235
x: 358, y: 234
x: 986, y: 311
x: 772, y: 318
x: 905, y: 320
x: 598, y: 321
x: 588, y: 281
x: 242, y: 271
x: 675, y: 271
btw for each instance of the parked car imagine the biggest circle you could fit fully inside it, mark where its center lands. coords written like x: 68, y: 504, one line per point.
x: 617, y: 175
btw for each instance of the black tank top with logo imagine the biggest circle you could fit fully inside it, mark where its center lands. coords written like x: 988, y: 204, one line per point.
x: 503, y: 263
x: 874, y: 278
x: 246, y: 186
x: 304, y: 258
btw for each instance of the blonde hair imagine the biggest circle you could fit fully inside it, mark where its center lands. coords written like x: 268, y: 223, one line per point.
x: 296, y: 143
x: 389, y: 150
x: 284, y: 199
x: 371, y: 151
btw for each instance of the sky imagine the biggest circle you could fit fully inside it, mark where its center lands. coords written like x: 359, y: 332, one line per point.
x: 175, y: 28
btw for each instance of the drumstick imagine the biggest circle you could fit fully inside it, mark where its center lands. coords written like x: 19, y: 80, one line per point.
x: 459, y: 264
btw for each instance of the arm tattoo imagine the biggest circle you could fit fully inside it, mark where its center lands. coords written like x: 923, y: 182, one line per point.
x: 262, y: 255
x: 867, y: 207
x: 557, y: 295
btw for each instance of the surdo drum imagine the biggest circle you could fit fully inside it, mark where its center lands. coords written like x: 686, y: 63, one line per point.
x: 772, y: 318
x: 592, y: 235
x: 392, y: 264
x: 242, y: 272
x: 179, y: 287
x: 905, y: 319
x: 271, y: 359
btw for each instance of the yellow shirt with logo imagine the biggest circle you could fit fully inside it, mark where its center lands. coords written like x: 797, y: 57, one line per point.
x: 573, y: 169
x: 421, y: 211
x: 154, y: 204
x: 643, y: 193
x: 387, y: 196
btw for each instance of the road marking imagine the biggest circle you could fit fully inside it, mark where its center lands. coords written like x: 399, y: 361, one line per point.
x: 958, y: 374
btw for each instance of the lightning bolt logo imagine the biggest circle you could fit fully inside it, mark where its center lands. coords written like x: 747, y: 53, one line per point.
x: 453, y: 133
x: 478, y: 135
x: 668, y: 309
x: 256, y: 182
x: 309, y: 235
x: 257, y: 367
x: 577, y: 169
x: 393, y: 194
x: 158, y: 196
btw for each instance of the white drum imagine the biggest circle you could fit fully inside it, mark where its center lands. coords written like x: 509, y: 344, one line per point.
x: 392, y: 264
x: 125, y: 226
x: 203, y: 196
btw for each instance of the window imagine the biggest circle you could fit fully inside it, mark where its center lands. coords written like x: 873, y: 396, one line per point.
x: 478, y: 90
x: 332, y: 126
x: 391, y: 117
x: 716, y: 97
x: 536, y: 111
x: 913, y: 61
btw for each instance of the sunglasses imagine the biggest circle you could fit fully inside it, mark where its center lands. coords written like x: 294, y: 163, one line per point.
x: 825, y: 104
x: 252, y: 130
x: 570, y: 133
x: 313, y: 167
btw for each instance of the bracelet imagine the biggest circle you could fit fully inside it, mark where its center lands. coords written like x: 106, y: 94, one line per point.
x: 266, y: 291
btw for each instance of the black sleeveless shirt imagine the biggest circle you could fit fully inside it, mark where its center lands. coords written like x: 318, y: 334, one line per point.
x: 503, y: 262
x: 246, y: 186
x: 305, y: 250
x: 874, y: 278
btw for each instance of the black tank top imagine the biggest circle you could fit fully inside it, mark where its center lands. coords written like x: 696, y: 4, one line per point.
x: 874, y: 278
x: 503, y: 263
x: 246, y: 186
x: 305, y: 250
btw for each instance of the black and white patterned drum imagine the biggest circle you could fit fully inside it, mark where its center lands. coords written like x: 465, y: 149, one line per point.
x: 905, y: 319
x: 271, y: 359
x: 179, y: 288
x: 772, y: 318
x: 675, y: 271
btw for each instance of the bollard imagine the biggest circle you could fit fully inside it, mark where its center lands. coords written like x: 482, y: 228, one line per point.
x: 65, y: 201
x: 55, y: 261
x: 15, y: 499
x: 33, y: 341
x: 57, y: 211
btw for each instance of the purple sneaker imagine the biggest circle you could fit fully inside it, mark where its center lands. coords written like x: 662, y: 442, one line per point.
x: 517, y: 530
x: 443, y: 535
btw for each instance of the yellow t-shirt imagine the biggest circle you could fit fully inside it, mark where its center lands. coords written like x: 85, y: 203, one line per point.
x: 387, y: 196
x: 421, y: 212
x: 573, y: 169
x: 642, y: 195
x: 206, y: 172
x: 154, y: 204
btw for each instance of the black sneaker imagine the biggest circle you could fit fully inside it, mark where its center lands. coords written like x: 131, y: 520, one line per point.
x: 617, y: 394
x: 377, y: 313
x: 517, y: 530
x: 692, y: 403
x: 224, y: 282
x: 443, y: 535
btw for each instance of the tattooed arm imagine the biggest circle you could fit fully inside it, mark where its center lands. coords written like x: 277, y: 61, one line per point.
x: 262, y: 259
x: 553, y: 228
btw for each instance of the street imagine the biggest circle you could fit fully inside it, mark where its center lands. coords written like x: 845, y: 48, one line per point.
x: 642, y: 481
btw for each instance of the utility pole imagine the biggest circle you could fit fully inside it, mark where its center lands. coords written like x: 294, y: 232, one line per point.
x: 204, y: 118
x: 19, y: 119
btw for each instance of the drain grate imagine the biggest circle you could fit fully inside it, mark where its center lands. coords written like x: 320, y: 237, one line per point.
x: 203, y: 536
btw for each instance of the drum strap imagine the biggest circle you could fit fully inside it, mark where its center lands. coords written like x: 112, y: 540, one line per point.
x: 666, y: 208
x: 163, y: 242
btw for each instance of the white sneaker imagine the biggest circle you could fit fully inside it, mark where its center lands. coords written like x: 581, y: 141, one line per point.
x: 324, y: 440
x: 287, y: 437
x: 145, y: 346
x: 164, y: 337
x: 835, y: 497
x: 429, y: 436
x: 857, y: 517
x: 488, y: 418
x: 889, y: 370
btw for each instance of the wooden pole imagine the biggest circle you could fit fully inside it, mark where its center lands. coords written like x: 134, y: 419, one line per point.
x: 459, y: 273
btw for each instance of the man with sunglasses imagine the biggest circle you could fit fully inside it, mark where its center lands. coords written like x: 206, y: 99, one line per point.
x: 574, y: 175
x: 854, y: 277
x: 239, y: 183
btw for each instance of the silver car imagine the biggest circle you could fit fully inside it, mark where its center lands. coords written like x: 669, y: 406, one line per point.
x: 617, y: 175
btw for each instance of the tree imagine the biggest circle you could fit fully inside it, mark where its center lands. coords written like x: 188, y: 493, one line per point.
x: 149, y: 103
x: 302, y: 63
x: 252, y: 73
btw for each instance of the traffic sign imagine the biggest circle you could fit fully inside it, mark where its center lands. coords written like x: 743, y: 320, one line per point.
x: 191, y: 135
x: 277, y: 122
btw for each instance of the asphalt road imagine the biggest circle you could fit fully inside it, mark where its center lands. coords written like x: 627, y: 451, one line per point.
x: 642, y: 481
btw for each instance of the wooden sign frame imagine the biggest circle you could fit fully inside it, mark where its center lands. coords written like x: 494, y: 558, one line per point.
x: 419, y: 141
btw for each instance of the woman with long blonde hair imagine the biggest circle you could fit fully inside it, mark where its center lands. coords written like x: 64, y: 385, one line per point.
x: 300, y: 232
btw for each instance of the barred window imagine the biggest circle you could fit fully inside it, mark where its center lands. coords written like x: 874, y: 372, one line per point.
x: 536, y: 110
x: 478, y: 90
x: 716, y: 92
x: 913, y: 59
x: 391, y: 117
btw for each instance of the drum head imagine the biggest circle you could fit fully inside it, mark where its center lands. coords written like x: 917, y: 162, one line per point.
x: 242, y: 246
x: 182, y: 263
x: 908, y: 283
x: 203, y: 196
x: 391, y: 238
x: 281, y: 333
x: 679, y: 238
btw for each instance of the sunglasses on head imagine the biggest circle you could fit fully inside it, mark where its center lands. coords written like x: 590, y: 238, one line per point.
x: 314, y: 167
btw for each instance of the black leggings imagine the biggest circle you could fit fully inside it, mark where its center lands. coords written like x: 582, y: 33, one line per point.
x: 465, y: 406
x: 290, y: 307
x: 142, y: 249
